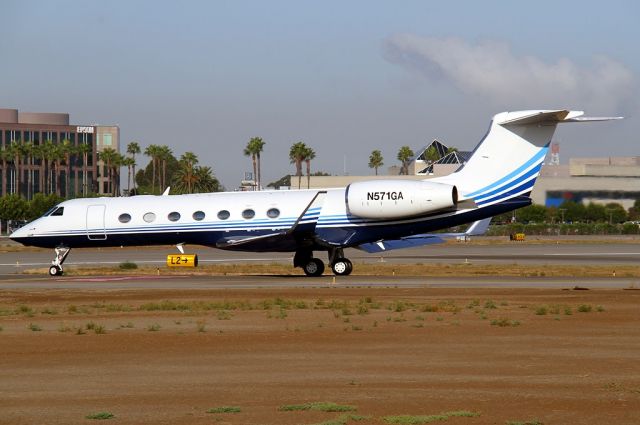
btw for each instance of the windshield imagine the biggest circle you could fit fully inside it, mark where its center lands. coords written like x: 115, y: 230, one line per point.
x: 54, y: 211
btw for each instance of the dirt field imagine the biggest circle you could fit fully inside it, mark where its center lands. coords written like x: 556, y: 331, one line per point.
x: 474, y: 356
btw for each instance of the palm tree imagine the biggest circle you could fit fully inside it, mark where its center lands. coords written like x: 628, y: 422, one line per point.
x: 108, y: 155
x: 187, y: 161
x: 133, y: 149
x: 375, y: 160
x: 309, y: 154
x: 164, y: 155
x: 404, y: 156
x: 57, y: 158
x: 152, y: 152
x: 66, y: 150
x: 205, y: 180
x: 26, y: 149
x: 15, y: 150
x: 117, y: 163
x: 431, y: 154
x: 84, y: 149
x: 296, y: 156
x: 130, y: 163
x: 253, y: 149
x: 5, y: 155
x: 249, y: 151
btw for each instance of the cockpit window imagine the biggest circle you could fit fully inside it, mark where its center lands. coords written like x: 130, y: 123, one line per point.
x: 58, y: 211
x: 49, y: 211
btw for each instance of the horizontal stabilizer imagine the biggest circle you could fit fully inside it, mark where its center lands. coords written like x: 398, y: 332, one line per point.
x: 388, y: 245
x: 477, y: 228
x: 549, y: 117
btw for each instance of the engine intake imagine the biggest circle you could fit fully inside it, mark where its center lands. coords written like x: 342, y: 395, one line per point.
x: 398, y: 198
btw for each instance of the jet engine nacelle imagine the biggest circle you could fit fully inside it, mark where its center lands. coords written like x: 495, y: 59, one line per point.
x: 398, y: 198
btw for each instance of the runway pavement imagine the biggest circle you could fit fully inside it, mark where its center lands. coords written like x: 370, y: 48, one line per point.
x: 13, y: 264
x: 592, y: 253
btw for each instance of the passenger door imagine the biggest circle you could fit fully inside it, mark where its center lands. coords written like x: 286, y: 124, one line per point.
x: 95, y: 222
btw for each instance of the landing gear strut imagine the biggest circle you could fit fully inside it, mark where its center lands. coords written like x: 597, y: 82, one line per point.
x: 340, y: 265
x: 56, y: 264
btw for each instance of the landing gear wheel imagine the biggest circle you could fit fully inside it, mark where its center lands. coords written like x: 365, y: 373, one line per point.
x: 314, y: 267
x: 55, y: 271
x: 342, y: 267
x: 56, y: 265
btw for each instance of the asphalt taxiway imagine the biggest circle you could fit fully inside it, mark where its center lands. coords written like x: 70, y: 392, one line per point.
x: 590, y: 252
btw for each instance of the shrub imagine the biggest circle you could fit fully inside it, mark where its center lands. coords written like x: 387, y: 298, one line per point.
x: 224, y: 409
x: 490, y: 304
x: 128, y: 265
x: 34, y: 328
x: 584, y: 308
x: 503, y: 322
x: 322, y: 406
x: 153, y: 327
x: 100, y: 416
x: 542, y: 310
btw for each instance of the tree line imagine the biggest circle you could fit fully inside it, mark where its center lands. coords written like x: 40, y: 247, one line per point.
x: 572, y: 212
x: 50, y: 159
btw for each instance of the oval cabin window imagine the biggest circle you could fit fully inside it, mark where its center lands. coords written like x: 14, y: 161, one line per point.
x: 124, y: 218
x: 273, y: 213
x: 198, y: 215
x: 248, y: 213
x: 149, y: 217
x: 174, y: 216
x: 223, y: 215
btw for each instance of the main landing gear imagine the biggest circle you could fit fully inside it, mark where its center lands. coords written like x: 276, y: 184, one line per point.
x: 56, y: 264
x: 340, y: 266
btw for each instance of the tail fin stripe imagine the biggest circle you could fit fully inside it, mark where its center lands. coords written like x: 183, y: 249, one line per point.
x: 532, y: 173
x: 525, y: 187
x: 536, y: 158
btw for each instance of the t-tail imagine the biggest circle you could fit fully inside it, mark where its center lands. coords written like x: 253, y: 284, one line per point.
x: 507, y: 161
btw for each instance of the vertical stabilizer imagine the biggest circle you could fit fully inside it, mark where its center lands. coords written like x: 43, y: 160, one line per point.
x: 507, y: 161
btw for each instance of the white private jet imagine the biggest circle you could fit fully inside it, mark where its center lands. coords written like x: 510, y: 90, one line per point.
x: 374, y: 215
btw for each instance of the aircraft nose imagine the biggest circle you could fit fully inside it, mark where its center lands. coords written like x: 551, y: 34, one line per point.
x: 18, y: 234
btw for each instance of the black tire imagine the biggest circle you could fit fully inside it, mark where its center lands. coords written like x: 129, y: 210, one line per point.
x: 342, y: 267
x: 314, y: 267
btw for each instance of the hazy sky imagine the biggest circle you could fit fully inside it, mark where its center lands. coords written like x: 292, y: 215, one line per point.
x: 345, y: 77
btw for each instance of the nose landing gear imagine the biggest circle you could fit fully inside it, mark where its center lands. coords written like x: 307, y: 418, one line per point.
x: 56, y: 264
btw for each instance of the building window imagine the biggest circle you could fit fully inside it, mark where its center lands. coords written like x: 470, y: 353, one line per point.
x: 124, y: 218
x: 174, y: 216
x: 149, y: 217
x: 107, y: 139
x: 273, y: 213
x: 198, y: 216
x: 223, y: 215
x: 248, y: 213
